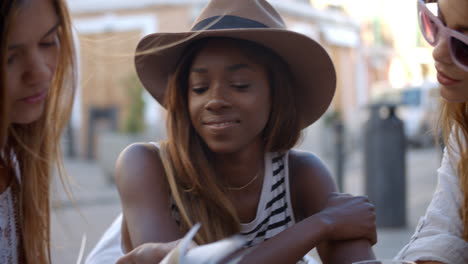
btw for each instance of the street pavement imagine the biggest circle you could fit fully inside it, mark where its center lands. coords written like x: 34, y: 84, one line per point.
x: 96, y: 203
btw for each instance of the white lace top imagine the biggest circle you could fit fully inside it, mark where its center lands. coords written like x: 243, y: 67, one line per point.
x: 439, y: 234
x: 8, y: 236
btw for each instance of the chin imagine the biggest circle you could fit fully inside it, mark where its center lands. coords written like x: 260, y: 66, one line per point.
x: 222, y: 147
x: 26, y: 120
x: 458, y: 94
x: 27, y: 117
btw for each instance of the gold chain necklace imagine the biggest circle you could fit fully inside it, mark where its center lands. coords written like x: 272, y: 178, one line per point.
x: 247, y: 184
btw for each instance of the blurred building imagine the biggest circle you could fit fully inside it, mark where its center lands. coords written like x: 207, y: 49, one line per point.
x: 108, y: 31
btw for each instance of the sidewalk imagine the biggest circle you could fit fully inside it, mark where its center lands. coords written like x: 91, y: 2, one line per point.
x: 97, y: 201
x: 421, y: 181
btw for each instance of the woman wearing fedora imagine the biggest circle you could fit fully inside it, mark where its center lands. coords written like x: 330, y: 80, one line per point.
x: 238, y: 89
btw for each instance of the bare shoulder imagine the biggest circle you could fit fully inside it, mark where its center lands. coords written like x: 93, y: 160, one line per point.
x: 139, y: 167
x: 145, y: 197
x: 311, y: 183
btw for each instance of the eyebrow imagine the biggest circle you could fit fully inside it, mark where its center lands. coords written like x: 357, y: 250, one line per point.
x: 48, y: 33
x: 239, y: 66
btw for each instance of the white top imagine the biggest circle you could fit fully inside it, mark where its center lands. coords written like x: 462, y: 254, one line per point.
x: 274, y: 210
x: 8, y: 232
x: 108, y: 250
x: 8, y: 236
x: 438, y: 236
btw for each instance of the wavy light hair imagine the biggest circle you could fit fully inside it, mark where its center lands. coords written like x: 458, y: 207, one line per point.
x: 197, y: 192
x: 4, y: 18
x: 453, y: 122
x: 36, y: 146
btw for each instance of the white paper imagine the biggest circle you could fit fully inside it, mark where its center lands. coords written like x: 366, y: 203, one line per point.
x: 211, y: 253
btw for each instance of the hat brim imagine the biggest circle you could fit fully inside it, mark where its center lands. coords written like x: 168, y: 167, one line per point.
x: 314, y: 77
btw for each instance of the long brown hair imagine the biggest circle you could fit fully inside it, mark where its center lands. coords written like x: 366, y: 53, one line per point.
x: 197, y: 192
x: 5, y: 6
x: 454, y: 124
x: 35, y: 148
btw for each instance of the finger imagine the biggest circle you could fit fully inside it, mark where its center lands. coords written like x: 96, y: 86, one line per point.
x: 126, y: 259
x: 344, y: 194
x: 374, y: 238
x: 365, y: 198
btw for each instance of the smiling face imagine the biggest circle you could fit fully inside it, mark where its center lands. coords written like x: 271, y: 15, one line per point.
x: 229, y: 97
x: 454, y: 81
x: 32, y: 55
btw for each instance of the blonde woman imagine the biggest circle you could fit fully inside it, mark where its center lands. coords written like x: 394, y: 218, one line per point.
x: 442, y: 234
x: 37, y: 91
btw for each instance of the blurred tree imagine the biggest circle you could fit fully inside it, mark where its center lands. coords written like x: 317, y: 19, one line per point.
x: 135, y: 120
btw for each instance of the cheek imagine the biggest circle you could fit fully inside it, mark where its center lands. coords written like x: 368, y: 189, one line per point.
x: 266, y: 101
x: 193, y: 108
x: 465, y: 79
x: 266, y: 110
x: 13, y: 83
x: 53, y: 58
x: 262, y: 106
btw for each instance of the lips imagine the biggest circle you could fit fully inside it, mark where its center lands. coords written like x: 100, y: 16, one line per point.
x: 35, y: 98
x: 220, y: 124
x: 446, y: 80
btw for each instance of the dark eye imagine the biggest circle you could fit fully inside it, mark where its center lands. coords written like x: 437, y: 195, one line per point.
x: 48, y: 44
x: 49, y: 41
x: 241, y: 86
x: 11, y: 59
x: 199, y: 89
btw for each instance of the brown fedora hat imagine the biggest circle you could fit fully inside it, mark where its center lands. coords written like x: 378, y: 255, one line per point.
x: 312, y: 70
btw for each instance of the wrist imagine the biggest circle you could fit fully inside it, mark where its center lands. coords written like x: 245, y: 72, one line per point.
x: 325, y: 224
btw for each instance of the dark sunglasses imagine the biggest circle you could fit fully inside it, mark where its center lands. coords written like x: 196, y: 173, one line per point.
x: 434, y: 30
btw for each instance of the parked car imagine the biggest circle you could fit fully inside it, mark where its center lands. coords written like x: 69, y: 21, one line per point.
x: 417, y: 108
x: 419, y: 111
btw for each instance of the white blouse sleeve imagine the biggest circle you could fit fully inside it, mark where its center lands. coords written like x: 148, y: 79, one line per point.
x: 108, y: 250
x: 438, y: 236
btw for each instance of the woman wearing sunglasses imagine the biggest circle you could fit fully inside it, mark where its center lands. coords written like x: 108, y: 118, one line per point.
x: 442, y: 234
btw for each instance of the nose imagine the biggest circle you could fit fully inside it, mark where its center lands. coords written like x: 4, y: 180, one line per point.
x: 441, y: 52
x: 38, y: 69
x: 218, y: 98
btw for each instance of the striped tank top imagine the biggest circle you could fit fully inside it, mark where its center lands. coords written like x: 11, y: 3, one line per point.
x: 274, y: 210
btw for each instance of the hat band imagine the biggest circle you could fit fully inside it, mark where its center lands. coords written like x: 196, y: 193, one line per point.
x: 227, y: 22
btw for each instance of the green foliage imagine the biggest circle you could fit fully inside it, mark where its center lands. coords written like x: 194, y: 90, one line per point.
x: 331, y: 117
x: 135, y: 121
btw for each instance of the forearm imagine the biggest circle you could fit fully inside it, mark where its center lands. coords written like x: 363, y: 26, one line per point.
x: 290, y: 245
x: 348, y: 251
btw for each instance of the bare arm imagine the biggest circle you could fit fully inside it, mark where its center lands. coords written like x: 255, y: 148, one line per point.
x: 326, y: 216
x: 314, y: 185
x: 287, y: 247
x: 144, y: 196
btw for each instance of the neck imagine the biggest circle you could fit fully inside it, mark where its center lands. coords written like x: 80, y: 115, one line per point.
x: 237, y: 169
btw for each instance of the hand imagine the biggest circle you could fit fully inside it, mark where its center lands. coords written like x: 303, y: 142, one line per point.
x: 149, y: 253
x: 349, y: 217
